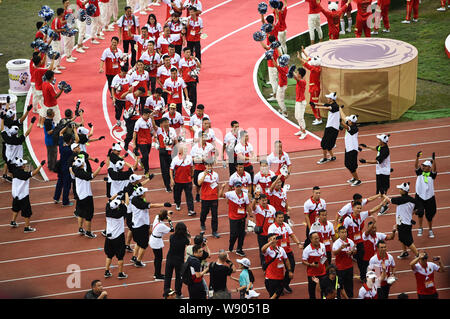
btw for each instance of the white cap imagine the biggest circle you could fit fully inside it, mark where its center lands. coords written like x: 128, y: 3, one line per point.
x: 140, y: 191
x: 427, y: 163
x: 244, y: 261
x: 352, y: 118
x: 116, y: 147
x: 74, y: 146
x: 120, y: 164
x: 371, y: 274
x: 13, y: 130
x: 252, y: 294
x: 82, y: 130
x: 404, y: 186
x: 134, y: 178
x: 78, y: 162
x: 332, y: 6
x: 10, y: 113
x: 332, y: 96
x: 19, y: 161
x: 383, y: 137
x: 114, y: 203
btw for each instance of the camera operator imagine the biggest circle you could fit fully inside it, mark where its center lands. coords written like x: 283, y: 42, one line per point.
x: 202, y: 242
x: 159, y: 229
x: 69, y: 120
x: 219, y: 271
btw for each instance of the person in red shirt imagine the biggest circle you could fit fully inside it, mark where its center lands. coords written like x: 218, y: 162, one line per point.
x: 110, y: 61
x: 142, y: 136
x: 128, y: 26
x: 343, y: 250
x: 131, y: 114
x: 141, y: 41
x: 325, y: 230
x: 181, y: 171
x: 382, y: 11
x: 176, y: 28
x: 188, y: 64
x: 300, y: 102
x: 194, y: 29
x: 282, y: 85
x: 208, y: 180
x: 57, y: 26
x: 424, y: 272
x: 333, y: 17
x: 120, y: 84
x: 278, y: 198
x: 152, y: 61
x: 314, y: 66
x: 96, y: 26
x: 50, y: 96
x: 167, y: 138
x: 174, y: 87
x: 280, y: 15
x: 363, y: 17
x: 348, y: 13
x: 316, y: 262
x: 39, y: 34
x: 272, y: 70
x: 37, y: 70
x: 412, y: 5
x: 314, y: 20
x: 277, y: 263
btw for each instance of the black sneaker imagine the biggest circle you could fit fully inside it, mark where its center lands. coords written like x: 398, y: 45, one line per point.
x: 29, y: 229
x: 129, y: 249
x: 332, y: 159
x: 323, y: 160
x: 203, y: 227
x: 356, y: 183
x: 197, y: 198
x: 122, y: 275
x: 104, y: 233
x: 81, y: 231
x: 192, y: 213
x: 75, y: 213
x: 150, y: 177
x: 14, y: 224
x: 403, y: 255
x: 133, y: 259
x: 107, y: 274
x: 383, y: 210
x: 215, y: 235
x: 88, y: 234
x: 139, y: 264
x: 240, y: 253
x: 158, y: 277
x: 288, y: 290
x: 169, y: 190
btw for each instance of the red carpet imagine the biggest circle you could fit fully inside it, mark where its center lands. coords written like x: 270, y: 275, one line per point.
x: 226, y: 85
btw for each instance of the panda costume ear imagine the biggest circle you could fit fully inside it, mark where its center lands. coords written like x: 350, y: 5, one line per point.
x: 409, y: 183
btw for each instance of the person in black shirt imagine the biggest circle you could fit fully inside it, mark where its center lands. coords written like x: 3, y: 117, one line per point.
x: 219, y: 271
x: 197, y: 289
x: 62, y: 168
x: 175, y: 257
x: 97, y: 291
x: 52, y: 149
x: 330, y: 281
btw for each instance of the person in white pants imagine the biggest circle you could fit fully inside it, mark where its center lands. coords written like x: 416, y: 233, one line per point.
x: 133, y: 4
x: 300, y: 102
x: 115, y: 9
x: 272, y: 70
x: 81, y: 25
x: 314, y: 24
x: 68, y: 42
x: 282, y: 86
x: 105, y: 14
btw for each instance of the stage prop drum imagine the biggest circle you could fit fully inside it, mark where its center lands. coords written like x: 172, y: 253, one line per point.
x: 373, y: 77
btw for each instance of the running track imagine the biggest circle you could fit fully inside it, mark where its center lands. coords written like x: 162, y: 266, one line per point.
x: 35, y: 265
x: 226, y: 82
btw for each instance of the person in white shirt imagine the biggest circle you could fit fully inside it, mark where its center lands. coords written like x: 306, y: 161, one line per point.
x: 369, y: 290
x: 263, y: 178
x: 193, y: 3
x: 351, y: 146
x: 347, y: 209
x: 332, y: 128
x: 241, y: 176
x: 311, y: 208
x: 244, y: 152
x: 159, y: 229
x: 383, y: 261
x: 119, y: 85
x: 425, y: 199
x: 201, y: 151
x: 229, y: 143
x: 116, y: 211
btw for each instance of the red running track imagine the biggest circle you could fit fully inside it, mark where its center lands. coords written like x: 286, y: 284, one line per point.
x: 36, y: 264
x: 226, y: 84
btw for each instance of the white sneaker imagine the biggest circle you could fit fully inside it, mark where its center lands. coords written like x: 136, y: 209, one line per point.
x: 374, y: 32
x: 351, y: 180
x: 102, y: 34
x: 440, y: 9
x: 302, y: 136
x: 71, y: 60
x: 415, y: 20
x: 430, y: 234
x: 342, y: 32
x: 84, y: 47
x: 349, y: 30
x: 406, y: 21
x: 317, y: 122
x: 80, y: 50
x: 95, y: 41
x: 143, y: 12
x: 284, y: 114
x: 101, y: 37
x: 272, y: 98
x: 61, y: 67
x: 420, y: 232
x: 57, y: 71
x: 298, y: 133
x: 386, y: 30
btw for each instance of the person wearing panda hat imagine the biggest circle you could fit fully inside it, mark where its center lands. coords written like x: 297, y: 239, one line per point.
x: 85, y: 201
x: 20, y: 192
x: 313, y: 64
x: 406, y: 205
x: 383, y: 166
x: 140, y: 210
x: 332, y: 128
x: 116, y: 210
x: 282, y: 65
x: 426, y: 201
x: 351, y: 146
x: 119, y: 176
x: 82, y: 136
x: 333, y: 15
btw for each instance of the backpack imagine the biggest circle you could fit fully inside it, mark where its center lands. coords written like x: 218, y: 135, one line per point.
x: 186, y: 275
x: 250, y: 276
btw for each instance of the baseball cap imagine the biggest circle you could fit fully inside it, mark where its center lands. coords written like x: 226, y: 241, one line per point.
x: 135, y: 178
x: 332, y: 96
x: 352, y: 118
x: 383, y: 137
x: 427, y: 163
x: 244, y: 262
x: 74, y: 146
x: 20, y: 161
x: 116, y: 147
x: 404, y: 186
x: 114, y: 203
x: 371, y: 274
x: 172, y: 105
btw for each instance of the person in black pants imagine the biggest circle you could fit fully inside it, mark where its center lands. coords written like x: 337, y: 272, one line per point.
x: 128, y: 26
x: 131, y: 114
x: 197, y: 289
x: 175, y: 257
x: 194, y: 45
x: 142, y: 137
x: 64, y: 180
x: 208, y: 180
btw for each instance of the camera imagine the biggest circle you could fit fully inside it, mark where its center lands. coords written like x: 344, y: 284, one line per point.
x: 436, y: 258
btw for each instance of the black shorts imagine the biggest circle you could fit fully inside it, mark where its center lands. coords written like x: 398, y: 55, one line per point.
x: 426, y: 206
x: 274, y: 286
x: 23, y: 205
x: 85, y: 208
x: 351, y: 160
x: 383, y: 183
x: 129, y: 221
x: 115, y: 247
x: 329, y: 138
x: 196, y: 173
x: 141, y: 236
x: 405, y: 234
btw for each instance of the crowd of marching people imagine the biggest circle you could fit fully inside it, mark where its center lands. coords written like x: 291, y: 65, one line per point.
x: 152, y: 80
